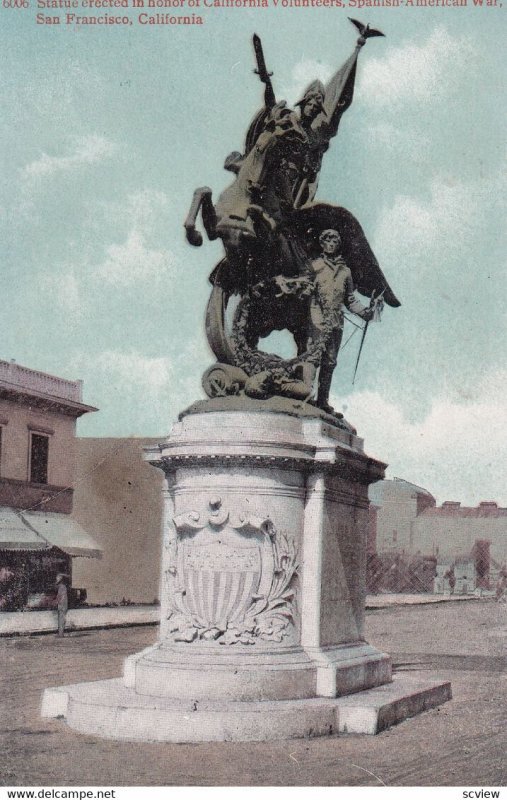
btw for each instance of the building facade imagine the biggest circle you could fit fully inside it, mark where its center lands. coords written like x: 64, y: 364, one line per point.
x: 38, y: 535
x: 468, y: 545
x: 118, y: 499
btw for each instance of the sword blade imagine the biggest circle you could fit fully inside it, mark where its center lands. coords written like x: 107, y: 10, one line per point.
x: 360, y: 349
x: 259, y: 55
x: 363, y: 337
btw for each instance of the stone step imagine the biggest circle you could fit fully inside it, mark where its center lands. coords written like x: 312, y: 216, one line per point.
x: 109, y: 709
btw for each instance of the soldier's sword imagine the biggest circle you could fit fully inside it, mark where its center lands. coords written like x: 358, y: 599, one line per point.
x: 373, y: 301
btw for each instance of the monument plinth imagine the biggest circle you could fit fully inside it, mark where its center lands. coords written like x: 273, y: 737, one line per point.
x: 266, y: 500
x: 263, y: 592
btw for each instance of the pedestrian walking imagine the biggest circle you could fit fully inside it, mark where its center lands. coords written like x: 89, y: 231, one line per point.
x: 62, y: 597
x: 501, y: 589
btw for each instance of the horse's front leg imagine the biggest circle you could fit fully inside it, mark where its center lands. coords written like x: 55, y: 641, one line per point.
x: 201, y: 199
x: 209, y: 217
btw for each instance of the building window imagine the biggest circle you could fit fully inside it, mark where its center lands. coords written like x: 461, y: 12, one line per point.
x: 395, y: 536
x: 39, y: 451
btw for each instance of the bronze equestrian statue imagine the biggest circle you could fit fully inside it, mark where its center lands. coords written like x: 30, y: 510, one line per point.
x: 277, y: 259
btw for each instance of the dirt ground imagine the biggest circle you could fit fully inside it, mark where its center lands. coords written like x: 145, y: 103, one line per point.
x: 462, y: 743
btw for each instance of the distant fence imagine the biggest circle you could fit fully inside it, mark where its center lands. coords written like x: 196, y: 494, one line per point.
x: 401, y: 573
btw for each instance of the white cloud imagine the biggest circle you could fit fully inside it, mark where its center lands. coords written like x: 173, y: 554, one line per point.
x: 134, y: 369
x: 416, y: 73
x: 124, y: 263
x: 393, y: 137
x: 65, y: 289
x: 145, y: 208
x: 133, y: 391
x: 456, y: 452
x: 133, y: 261
x: 144, y: 214
x: 138, y: 394
x: 448, y: 219
x: 88, y: 150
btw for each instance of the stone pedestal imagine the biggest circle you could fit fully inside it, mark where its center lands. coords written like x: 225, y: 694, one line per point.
x: 263, y: 588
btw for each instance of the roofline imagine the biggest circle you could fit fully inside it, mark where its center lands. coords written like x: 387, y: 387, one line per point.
x: 11, y: 391
x: 421, y: 489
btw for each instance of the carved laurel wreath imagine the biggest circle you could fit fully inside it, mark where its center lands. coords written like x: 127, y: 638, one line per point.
x: 252, y: 360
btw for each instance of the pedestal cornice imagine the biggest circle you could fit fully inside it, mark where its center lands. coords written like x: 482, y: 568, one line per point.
x: 265, y: 441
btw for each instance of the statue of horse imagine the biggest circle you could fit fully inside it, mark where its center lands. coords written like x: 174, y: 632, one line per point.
x: 254, y: 220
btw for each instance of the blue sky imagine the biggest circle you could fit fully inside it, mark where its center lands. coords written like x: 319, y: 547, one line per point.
x: 105, y: 133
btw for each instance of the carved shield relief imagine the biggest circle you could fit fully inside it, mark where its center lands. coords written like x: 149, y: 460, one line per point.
x: 221, y: 580
x: 230, y: 582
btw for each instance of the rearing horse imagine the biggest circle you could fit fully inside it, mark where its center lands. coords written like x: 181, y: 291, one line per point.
x: 253, y: 218
x: 251, y: 215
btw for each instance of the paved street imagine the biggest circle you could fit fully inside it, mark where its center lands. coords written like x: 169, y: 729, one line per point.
x: 462, y: 743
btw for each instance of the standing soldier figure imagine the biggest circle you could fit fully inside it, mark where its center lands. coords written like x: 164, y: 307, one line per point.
x: 333, y: 290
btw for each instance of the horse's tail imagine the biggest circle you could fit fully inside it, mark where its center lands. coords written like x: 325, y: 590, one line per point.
x: 215, y: 325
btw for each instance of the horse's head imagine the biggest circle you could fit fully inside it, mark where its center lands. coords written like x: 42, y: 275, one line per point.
x: 236, y: 230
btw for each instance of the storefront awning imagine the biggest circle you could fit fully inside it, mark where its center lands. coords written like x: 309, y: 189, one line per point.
x: 63, y: 532
x: 16, y: 535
